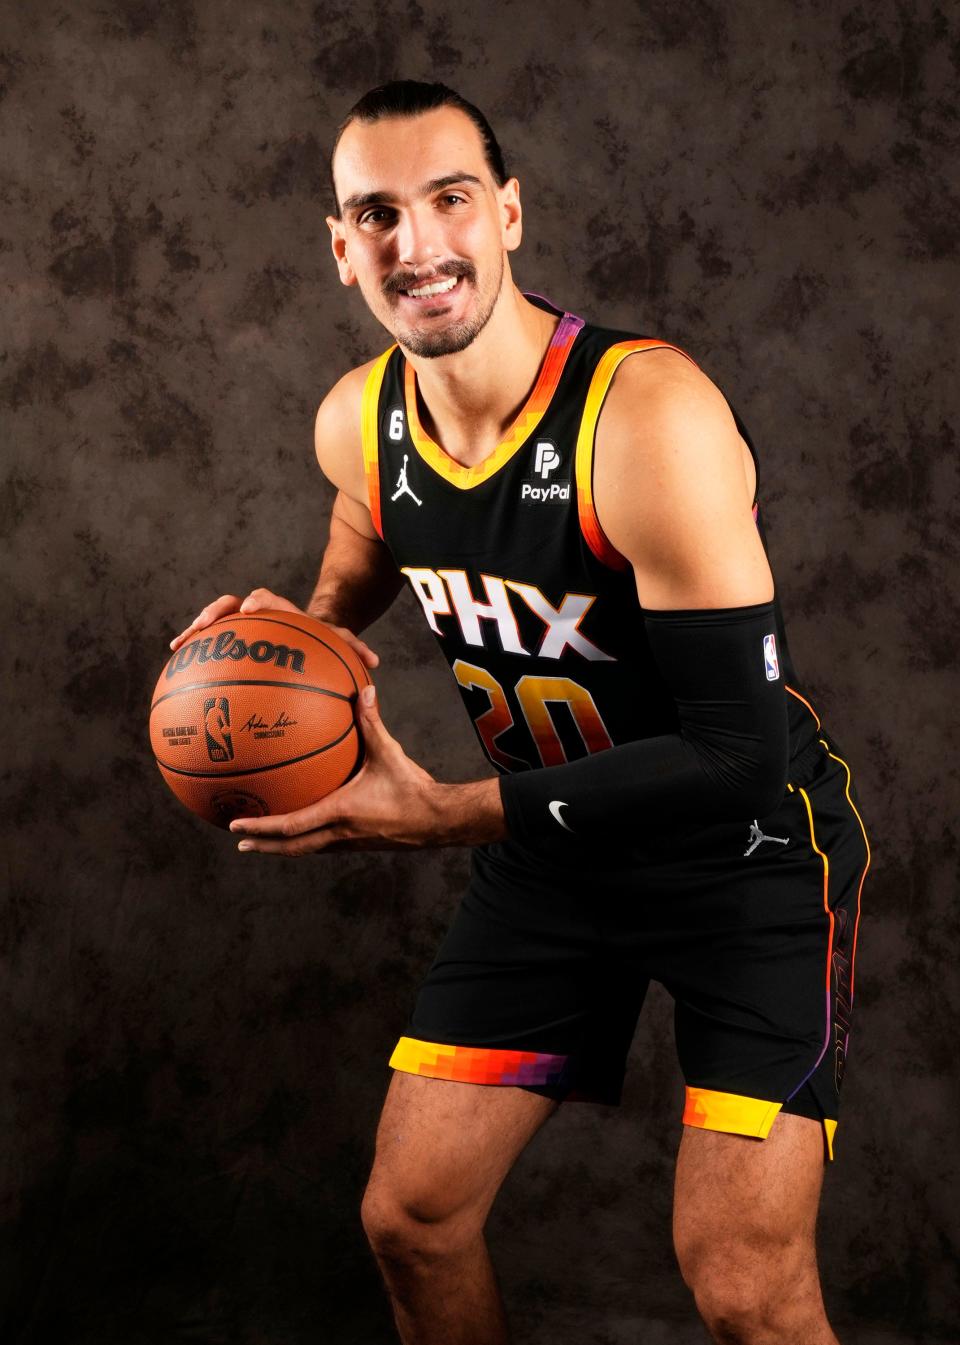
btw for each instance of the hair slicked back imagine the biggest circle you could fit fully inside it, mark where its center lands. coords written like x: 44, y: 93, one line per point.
x: 408, y: 98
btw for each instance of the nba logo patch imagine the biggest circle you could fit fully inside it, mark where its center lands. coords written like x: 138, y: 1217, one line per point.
x: 770, y: 657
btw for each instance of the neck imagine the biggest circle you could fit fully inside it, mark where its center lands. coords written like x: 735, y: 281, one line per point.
x: 471, y: 398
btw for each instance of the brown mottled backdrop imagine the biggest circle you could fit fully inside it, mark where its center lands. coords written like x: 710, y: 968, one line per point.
x: 194, y: 1042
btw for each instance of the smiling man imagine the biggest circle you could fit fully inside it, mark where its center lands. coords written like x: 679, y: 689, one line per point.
x: 575, y: 509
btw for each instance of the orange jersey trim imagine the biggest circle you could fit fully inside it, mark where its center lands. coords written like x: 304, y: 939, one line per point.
x: 369, y: 435
x: 610, y: 361
x: 826, y: 890
x: 527, y: 420
x: 856, y: 927
x: 832, y: 928
x: 830, y: 1127
x: 805, y: 702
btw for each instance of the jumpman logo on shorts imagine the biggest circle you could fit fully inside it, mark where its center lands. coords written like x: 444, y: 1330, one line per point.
x: 756, y: 836
x: 402, y: 487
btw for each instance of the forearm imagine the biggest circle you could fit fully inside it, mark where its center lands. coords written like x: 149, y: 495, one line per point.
x: 728, y: 761
x: 358, y: 579
x: 467, y: 814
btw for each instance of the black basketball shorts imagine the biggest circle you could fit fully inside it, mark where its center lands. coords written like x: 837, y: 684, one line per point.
x: 750, y: 926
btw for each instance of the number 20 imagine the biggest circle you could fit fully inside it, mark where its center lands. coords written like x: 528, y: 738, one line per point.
x: 532, y: 694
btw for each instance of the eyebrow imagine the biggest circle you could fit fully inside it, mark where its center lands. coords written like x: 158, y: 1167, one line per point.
x: 384, y: 197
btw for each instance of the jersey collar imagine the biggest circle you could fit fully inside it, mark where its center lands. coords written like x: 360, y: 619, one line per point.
x: 526, y: 421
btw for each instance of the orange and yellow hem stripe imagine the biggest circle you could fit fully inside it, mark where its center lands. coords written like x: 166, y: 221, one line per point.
x: 477, y: 1064
x: 708, y: 1109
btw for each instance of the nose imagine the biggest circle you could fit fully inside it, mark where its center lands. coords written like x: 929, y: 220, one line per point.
x: 418, y: 238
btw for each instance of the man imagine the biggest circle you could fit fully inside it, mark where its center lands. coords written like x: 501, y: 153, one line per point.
x: 581, y: 529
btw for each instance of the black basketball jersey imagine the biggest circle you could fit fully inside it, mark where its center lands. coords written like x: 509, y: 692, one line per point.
x: 535, y: 611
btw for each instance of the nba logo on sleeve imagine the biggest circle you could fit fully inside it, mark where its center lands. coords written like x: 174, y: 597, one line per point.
x: 770, y: 657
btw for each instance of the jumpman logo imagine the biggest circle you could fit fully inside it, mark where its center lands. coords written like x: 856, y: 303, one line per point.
x: 756, y: 836
x: 402, y: 487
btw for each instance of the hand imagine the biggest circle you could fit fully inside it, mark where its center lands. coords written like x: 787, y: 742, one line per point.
x: 262, y: 600
x: 390, y: 804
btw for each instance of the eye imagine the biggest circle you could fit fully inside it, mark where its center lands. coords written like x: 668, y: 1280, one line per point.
x: 370, y: 216
x: 453, y: 196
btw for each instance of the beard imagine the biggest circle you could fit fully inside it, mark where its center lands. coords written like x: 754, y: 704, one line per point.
x: 429, y: 344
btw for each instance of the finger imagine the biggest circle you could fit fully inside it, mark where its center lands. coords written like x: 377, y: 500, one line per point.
x: 178, y: 640
x: 367, y: 655
x: 368, y: 710
x: 288, y: 825
x: 256, y: 600
x: 310, y: 844
x: 212, y: 612
x: 263, y: 600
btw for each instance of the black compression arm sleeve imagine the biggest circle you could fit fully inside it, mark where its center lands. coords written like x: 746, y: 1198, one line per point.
x: 728, y: 762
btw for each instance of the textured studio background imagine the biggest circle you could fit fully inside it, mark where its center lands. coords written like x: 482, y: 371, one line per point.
x: 194, y: 1041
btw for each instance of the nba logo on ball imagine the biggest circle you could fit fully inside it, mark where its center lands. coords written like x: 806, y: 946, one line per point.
x: 216, y: 723
x: 770, y: 657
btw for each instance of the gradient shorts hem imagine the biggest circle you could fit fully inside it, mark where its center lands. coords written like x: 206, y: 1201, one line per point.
x: 550, y: 1076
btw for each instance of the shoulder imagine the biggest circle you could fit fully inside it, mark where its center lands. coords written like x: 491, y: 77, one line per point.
x: 663, y: 416
x: 669, y: 478
x: 338, y: 418
x: 663, y: 386
x: 337, y: 431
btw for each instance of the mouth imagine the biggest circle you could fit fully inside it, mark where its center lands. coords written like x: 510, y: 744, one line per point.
x: 432, y: 290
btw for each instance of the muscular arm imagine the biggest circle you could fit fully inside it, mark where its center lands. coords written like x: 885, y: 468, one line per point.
x: 671, y: 497
x: 358, y: 580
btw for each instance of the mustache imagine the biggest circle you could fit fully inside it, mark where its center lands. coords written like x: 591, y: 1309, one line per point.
x: 406, y: 280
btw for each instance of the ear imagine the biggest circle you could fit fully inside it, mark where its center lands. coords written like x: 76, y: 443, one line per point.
x: 338, y: 243
x: 511, y: 214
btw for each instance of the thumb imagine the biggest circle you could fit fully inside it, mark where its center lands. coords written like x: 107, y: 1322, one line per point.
x: 369, y: 712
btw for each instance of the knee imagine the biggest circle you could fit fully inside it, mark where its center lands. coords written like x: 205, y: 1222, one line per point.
x: 735, y: 1311
x: 403, y: 1227
x: 745, y: 1295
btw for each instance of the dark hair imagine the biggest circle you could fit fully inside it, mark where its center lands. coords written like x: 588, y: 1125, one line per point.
x: 408, y: 98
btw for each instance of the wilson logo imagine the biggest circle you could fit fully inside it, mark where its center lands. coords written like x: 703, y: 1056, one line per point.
x: 228, y: 645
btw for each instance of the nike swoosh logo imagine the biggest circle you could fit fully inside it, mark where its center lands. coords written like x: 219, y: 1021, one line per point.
x: 555, y: 807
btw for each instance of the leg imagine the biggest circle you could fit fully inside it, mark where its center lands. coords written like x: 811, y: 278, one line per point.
x: 744, y: 1218
x: 763, y: 1050
x: 443, y: 1149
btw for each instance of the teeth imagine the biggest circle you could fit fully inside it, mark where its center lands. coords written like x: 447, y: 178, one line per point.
x: 439, y: 287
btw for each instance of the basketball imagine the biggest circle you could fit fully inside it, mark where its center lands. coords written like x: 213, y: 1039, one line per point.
x: 255, y: 715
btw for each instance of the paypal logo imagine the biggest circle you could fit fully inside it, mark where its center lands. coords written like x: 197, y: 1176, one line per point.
x: 547, y: 459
